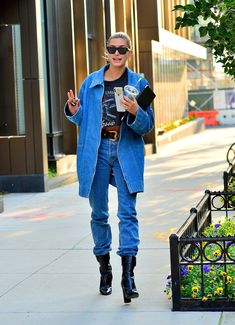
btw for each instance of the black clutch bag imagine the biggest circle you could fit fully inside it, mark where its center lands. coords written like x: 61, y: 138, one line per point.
x: 145, y: 98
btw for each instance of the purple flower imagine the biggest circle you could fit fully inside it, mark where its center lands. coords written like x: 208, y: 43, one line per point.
x: 217, y: 225
x: 184, y: 271
x: 206, y: 268
x: 168, y: 281
x: 230, y: 243
x: 168, y: 284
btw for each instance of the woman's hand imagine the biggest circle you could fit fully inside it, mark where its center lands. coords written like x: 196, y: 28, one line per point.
x: 130, y: 105
x: 73, y: 103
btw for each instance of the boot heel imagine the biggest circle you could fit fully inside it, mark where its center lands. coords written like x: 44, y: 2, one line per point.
x: 126, y: 300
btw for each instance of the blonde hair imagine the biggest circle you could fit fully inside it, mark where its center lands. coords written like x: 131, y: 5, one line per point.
x: 120, y: 35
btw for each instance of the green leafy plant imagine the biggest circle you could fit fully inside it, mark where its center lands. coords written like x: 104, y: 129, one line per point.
x: 218, y: 281
x: 217, y: 25
x: 52, y: 171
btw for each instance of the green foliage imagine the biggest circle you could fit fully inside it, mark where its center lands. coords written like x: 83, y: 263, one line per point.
x: 52, y: 170
x: 216, y: 19
x: 225, y: 228
x: 214, y: 280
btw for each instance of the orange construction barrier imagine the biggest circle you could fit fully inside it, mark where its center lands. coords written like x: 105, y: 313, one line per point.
x: 209, y: 116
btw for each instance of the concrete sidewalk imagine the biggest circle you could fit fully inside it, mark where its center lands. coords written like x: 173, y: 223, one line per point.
x: 48, y: 273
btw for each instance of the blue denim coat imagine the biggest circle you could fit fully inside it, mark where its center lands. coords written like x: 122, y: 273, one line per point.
x: 131, y: 144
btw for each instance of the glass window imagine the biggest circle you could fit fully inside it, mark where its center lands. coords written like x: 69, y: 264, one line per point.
x: 12, y: 119
x: 18, y: 76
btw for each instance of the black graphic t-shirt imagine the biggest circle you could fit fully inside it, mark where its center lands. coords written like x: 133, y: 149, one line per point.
x: 110, y: 116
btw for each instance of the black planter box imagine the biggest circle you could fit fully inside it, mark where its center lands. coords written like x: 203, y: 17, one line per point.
x: 188, y: 247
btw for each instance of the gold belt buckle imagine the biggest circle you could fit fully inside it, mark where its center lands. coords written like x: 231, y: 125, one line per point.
x: 115, y: 135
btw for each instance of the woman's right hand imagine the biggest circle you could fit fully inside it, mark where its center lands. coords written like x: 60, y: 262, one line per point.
x: 73, y: 103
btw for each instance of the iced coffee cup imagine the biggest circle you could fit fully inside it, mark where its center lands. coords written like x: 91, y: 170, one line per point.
x: 130, y: 91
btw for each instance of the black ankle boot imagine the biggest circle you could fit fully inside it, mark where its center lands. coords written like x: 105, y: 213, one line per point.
x: 106, y: 274
x: 133, y: 265
x: 128, y: 283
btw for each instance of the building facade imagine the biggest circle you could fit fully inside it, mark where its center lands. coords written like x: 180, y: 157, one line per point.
x: 50, y: 46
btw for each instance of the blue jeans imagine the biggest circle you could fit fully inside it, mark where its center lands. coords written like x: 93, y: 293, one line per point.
x: 107, y: 166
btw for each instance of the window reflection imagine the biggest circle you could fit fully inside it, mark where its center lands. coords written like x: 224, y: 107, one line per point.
x: 170, y: 84
x: 12, y: 119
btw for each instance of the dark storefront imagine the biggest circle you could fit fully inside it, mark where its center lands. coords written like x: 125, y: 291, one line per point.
x: 38, y: 64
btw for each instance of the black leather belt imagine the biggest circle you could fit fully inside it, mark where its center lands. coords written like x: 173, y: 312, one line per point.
x: 111, y: 135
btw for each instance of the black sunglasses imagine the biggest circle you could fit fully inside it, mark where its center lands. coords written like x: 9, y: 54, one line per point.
x: 121, y: 50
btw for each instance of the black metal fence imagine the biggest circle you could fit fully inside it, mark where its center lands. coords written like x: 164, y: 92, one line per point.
x: 189, y: 249
x: 228, y: 177
x: 229, y: 174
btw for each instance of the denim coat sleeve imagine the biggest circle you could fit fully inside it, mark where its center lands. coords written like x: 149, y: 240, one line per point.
x: 88, y: 118
x: 143, y: 121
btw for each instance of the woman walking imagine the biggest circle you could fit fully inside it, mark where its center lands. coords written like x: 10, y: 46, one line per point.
x: 110, y: 150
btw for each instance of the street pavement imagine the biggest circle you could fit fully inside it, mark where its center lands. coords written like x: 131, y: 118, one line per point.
x: 48, y: 274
